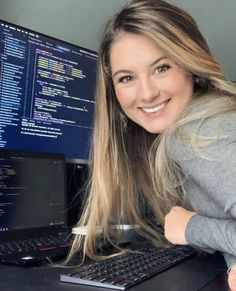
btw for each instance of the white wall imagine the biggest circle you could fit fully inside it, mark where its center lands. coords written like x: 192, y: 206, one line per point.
x: 76, y: 21
x: 81, y: 21
x: 217, y: 21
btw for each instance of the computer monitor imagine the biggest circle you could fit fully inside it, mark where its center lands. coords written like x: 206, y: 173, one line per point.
x: 46, y: 93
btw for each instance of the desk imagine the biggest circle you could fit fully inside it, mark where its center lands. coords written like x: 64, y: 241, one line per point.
x: 198, y: 273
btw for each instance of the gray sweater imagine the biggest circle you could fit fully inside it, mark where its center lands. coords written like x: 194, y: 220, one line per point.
x: 211, y: 186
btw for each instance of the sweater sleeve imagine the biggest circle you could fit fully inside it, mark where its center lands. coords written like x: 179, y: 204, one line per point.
x: 213, y: 169
x: 211, y: 233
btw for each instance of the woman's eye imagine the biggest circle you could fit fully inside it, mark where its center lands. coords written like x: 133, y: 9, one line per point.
x: 162, y: 69
x: 125, y: 79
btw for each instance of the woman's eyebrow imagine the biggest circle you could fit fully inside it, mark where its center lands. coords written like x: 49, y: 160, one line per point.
x: 130, y: 72
x: 157, y: 61
x: 121, y: 72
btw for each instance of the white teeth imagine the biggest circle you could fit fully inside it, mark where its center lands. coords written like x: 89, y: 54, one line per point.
x: 155, y: 109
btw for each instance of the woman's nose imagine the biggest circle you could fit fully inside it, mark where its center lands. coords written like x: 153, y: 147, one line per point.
x: 148, y: 89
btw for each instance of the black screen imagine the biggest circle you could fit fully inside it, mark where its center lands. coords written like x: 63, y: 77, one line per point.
x: 46, y: 93
x: 32, y: 191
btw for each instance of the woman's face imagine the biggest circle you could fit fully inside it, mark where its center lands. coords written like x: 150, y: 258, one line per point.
x: 150, y: 87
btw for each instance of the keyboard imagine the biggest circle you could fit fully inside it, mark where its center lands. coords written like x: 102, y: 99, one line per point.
x: 35, y: 247
x: 129, y: 269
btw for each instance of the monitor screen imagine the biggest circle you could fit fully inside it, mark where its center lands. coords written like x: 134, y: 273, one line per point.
x: 46, y: 93
x: 32, y: 192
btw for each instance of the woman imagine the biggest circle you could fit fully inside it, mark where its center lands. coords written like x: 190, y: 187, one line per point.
x: 164, y: 146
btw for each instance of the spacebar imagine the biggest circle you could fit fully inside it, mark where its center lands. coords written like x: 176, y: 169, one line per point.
x: 159, y: 268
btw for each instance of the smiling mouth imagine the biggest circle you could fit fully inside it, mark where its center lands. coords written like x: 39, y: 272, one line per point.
x: 155, y: 108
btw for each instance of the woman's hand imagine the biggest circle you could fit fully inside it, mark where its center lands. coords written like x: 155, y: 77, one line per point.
x: 232, y: 278
x: 175, y: 224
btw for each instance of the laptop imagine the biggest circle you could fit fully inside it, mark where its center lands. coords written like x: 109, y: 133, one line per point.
x: 33, y: 210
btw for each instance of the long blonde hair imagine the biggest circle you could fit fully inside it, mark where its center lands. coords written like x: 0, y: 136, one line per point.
x: 133, y: 178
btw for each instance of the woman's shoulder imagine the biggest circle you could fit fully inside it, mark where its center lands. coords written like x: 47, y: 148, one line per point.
x: 209, y: 125
x: 212, y: 116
